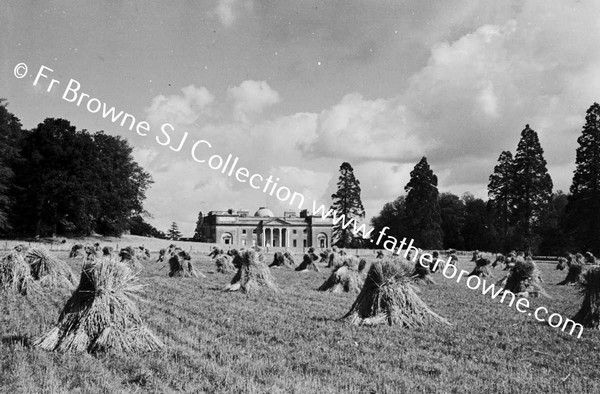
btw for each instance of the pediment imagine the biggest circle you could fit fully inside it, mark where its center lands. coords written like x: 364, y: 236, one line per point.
x: 275, y: 222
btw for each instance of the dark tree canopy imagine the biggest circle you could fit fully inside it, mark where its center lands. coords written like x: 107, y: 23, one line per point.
x: 531, y: 188
x: 392, y: 215
x: 347, y: 202
x: 423, y: 220
x: 555, y: 241
x: 583, y: 208
x: 501, y: 200
x: 452, y: 212
x: 74, y: 182
x: 478, y: 231
x: 138, y: 226
x: 10, y: 133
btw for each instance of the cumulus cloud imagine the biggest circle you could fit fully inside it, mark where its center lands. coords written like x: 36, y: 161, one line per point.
x: 361, y: 129
x: 224, y: 11
x: 250, y: 98
x: 181, y: 109
x: 467, y: 102
x: 227, y: 10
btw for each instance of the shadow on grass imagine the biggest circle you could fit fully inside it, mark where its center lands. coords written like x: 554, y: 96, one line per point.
x: 16, y: 340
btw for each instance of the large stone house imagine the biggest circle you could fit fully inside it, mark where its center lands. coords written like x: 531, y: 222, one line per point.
x: 237, y: 228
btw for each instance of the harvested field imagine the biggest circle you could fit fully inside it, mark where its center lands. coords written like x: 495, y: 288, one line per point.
x: 292, y: 341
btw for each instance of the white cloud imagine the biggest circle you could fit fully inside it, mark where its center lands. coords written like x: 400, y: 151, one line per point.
x: 250, y: 98
x: 228, y: 10
x: 461, y: 109
x: 181, y: 109
x: 224, y: 11
x: 361, y: 129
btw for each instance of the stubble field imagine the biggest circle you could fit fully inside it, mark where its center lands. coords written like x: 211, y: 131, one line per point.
x: 292, y: 342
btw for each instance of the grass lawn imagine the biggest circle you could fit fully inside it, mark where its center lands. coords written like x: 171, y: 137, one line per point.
x: 292, y: 342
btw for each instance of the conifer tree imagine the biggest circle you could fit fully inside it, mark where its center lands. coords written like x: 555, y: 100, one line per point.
x: 199, y: 231
x: 347, y: 202
x: 173, y: 232
x: 583, y: 207
x: 531, y: 188
x: 500, y: 197
x: 423, y: 219
x: 452, y: 211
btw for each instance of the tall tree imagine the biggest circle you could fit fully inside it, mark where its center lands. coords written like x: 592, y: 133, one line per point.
x: 423, y: 219
x: 199, y: 231
x: 531, y: 188
x: 555, y: 241
x: 452, y: 212
x: 478, y: 230
x: 347, y: 202
x: 74, y: 182
x: 10, y: 132
x: 392, y: 215
x: 173, y: 232
x: 583, y: 208
x: 500, y: 196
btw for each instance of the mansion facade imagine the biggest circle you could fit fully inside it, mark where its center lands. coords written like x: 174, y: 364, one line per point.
x: 265, y: 229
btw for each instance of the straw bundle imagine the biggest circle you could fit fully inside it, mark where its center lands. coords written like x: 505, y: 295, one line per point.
x: 253, y: 274
x: 308, y: 263
x: 346, y: 278
x: 166, y: 253
x: 389, y: 297
x: 562, y: 263
x: 324, y: 255
x: 15, y: 275
x: 574, y: 274
x: 589, y: 313
x: 143, y: 253
x: 436, y: 263
x: 129, y: 256
x: 336, y: 260
x: 216, y: 251
x: 524, y: 279
x: 50, y: 271
x: 284, y: 259
x: 500, y: 259
x: 76, y: 251
x: 589, y: 258
x: 101, y: 315
x: 482, y: 268
x: 180, y: 265
x: 20, y: 248
x: 224, y: 264
x: 422, y: 275
x: 363, y: 266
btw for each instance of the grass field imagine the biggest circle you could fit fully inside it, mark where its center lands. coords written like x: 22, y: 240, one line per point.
x: 292, y: 342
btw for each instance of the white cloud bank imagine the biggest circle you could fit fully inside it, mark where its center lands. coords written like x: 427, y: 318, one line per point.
x: 467, y: 104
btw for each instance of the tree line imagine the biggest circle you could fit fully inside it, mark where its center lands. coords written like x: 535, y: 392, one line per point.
x: 55, y: 179
x: 521, y: 213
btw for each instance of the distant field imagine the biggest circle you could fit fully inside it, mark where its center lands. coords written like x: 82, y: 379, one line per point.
x: 291, y: 342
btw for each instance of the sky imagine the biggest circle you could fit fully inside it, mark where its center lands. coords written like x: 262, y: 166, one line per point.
x: 295, y: 88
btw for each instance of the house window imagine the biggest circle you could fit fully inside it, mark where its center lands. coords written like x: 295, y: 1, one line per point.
x: 295, y: 231
x: 304, y: 243
x: 226, y: 238
x: 243, y: 231
x: 244, y: 242
x: 295, y: 242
